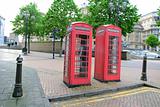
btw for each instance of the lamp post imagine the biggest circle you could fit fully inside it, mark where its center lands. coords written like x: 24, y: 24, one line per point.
x: 25, y: 15
x: 29, y: 38
x: 55, y: 30
x: 114, y: 5
x: 53, y: 42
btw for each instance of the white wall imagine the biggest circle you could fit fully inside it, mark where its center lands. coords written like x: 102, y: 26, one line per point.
x: 1, y: 31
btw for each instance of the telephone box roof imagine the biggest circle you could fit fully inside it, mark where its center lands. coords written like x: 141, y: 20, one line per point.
x: 109, y: 25
x: 73, y: 23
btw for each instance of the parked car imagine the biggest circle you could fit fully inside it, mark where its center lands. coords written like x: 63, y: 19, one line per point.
x: 151, y: 55
x: 141, y: 53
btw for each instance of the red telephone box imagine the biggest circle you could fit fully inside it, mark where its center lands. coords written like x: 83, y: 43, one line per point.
x: 108, y: 53
x: 78, y: 54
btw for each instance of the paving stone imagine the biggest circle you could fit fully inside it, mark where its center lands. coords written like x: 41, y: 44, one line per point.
x: 50, y: 73
x: 141, y: 98
x: 1, y: 90
x: 32, y: 89
x: 4, y: 97
x: 8, y: 90
x: 2, y: 103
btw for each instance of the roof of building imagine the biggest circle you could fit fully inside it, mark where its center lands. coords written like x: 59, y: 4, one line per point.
x: 154, y: 12
x: 138, y: 26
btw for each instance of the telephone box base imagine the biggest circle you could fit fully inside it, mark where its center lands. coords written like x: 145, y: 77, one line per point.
x: 72, y: 86
x: 106, y: 81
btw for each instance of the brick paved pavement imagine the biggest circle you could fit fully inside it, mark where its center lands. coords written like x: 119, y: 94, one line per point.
x: 33, y: 95
x: 140, y: 97
x: 51, y: 74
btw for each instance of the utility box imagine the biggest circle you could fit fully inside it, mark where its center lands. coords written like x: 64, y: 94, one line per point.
x: 125, y: 55
x: 108, y: 53
x: 78, y: 54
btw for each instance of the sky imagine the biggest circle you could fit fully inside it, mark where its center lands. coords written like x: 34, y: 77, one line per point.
x: 10, y: 8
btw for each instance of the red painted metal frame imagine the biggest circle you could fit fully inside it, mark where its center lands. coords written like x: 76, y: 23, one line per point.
x: 71, y: 80
x: 102, y: 53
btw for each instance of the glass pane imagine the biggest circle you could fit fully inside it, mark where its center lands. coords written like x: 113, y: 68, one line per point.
x: 66, y: 56
x: 113, y: 54
x: 81, y: 56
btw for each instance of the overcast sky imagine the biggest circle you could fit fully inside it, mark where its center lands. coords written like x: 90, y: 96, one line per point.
x: 10, y: 8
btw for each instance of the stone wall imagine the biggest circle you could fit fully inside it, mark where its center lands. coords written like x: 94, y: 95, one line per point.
x: 38, y: 46
x: 45, y: 46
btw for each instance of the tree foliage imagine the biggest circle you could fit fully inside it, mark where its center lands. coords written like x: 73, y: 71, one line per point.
x: 158, y: 21
x: 60, y: 15
x: 33, y: 20
x: 124, y: 16
x: 152, y: 41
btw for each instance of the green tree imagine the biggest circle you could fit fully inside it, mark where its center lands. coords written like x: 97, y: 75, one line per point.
x: 28, y: 21
x: 152, y: 41
x: 60, y: 15
x: 158, y: 21
x: 122, y: 14
x: 32, y: 16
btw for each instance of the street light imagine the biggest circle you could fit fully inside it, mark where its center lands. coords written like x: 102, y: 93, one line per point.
x: 25, y: 14
x: 53, y: 42
x: 114, y: 5
x: 32, y: 19
x: 55, y: 30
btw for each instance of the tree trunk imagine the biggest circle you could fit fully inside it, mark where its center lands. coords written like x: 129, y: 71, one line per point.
x: 60, y: 52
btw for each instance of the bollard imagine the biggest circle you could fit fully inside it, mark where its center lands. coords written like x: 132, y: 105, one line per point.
x: 18, y: 92
x: 144, y: 74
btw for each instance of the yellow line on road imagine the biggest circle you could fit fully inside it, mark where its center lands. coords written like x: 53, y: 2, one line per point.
x: 110, y: 96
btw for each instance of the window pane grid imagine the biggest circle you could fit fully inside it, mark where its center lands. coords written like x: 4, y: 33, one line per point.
x: 81, y: 56
x: 113, y: 54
